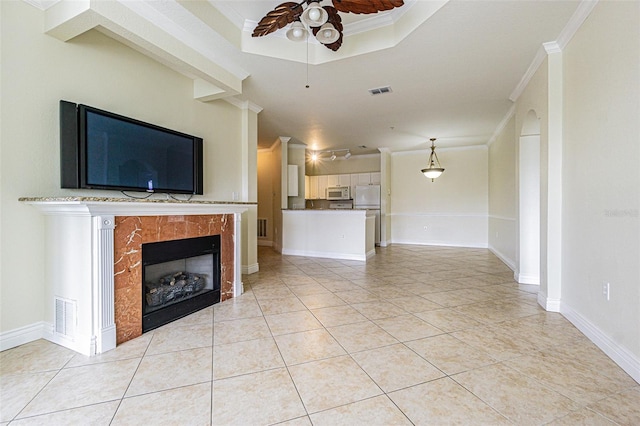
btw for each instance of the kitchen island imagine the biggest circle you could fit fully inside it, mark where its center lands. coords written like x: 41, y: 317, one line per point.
x: 334, y: 234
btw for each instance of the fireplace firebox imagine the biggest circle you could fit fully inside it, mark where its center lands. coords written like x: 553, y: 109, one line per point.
x: 179, y: 277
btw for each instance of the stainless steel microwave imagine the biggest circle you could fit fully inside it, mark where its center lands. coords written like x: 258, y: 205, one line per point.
x: 338, y: 193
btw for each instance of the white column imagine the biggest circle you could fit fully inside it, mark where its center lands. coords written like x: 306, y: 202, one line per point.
x: 238, y: 287
x: 104, y: 327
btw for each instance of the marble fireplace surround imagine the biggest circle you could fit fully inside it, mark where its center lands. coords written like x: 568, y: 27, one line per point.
x: 93, y: 259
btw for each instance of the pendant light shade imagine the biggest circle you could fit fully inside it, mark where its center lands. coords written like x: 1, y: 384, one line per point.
x: 434, y: 168
x: 327, y: 34
x: 314, y: 15
x: 297, y: 32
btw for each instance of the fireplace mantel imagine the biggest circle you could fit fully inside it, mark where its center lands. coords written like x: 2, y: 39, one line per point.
x: 79, y: 256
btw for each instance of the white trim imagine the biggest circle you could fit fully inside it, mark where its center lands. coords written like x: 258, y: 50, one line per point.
x: 250, y: 269
x: 325, y: 254
x: 86, y: 345
x: 538, y: 59
x: 266, y: 243
x: 502, y: 124
x: 436, y: 215
x: 528, y: 279
x: 20, y: 336
x: 575, y: 22
x: 628, y: 361
x: 509, y: 262
x: 439, y: 244
x: 549, y: 305
x: 510, y: 219
x: 440, y: 149
x: 41, y: 4
x: 244, y: 104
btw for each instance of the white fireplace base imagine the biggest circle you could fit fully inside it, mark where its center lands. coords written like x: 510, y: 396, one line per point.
x: 79, y: 253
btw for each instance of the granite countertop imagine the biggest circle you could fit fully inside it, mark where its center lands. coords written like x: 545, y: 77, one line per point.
x: 125, y: 200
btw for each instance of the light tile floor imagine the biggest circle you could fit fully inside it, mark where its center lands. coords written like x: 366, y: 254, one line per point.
x: 417, y: 335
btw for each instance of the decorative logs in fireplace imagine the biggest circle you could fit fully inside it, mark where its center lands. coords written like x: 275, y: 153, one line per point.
x: 180, y: 277
x: 173, y: 287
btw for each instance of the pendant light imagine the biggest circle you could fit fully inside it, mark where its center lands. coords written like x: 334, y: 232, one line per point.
x: 434, y: 169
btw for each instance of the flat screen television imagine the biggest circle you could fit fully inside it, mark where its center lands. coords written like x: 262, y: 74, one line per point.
x: 103, y: 150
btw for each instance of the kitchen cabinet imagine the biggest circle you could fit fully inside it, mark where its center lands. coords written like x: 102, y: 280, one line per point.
x: 316, y: 188
x: 364, y: 178
x: 313, y: 188
x: 375, y: 178
x: 344, y: 180
x: 323, y: 182
x: 339, y: 180
x: 307, y: 187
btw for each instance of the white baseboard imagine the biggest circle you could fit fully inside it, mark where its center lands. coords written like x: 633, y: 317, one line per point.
x: 507, y: 261
x: 20, y: 336
x: 327, y: 255
x: 620, y: 355
x: 440, y: 244
x: 250, y: 269
x: 528, y: 279
x: 549, y: 305
x: 265, y: 243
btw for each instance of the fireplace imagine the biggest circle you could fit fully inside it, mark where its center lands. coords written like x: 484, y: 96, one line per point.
x: 93, y: 255
x: 179, y: 277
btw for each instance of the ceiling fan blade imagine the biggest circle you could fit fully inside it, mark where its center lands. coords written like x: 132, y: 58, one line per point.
x: 366, y: 6
x: 335, y: 20
x: 279, y: 17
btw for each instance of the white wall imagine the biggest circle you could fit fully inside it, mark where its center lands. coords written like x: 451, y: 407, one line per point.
x: 453, y: 208
x: 38, y: 71
x: 502, y: 195
x: 601, y: 176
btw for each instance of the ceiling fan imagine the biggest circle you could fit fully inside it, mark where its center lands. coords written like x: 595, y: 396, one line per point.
x: 323, y: 21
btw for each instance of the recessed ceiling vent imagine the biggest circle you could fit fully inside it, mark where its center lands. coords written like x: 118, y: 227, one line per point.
x: 380, y: 90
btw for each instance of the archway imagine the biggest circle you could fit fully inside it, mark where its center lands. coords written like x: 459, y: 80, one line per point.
x: 529, y: 201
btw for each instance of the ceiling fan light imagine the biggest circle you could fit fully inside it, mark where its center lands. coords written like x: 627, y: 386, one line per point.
x: 314, y: 15
x: 327, y: 34
x: 297, y: 32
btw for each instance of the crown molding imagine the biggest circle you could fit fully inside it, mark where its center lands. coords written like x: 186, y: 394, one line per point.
x: 41, y: 4
x: 244, y: 105
x: 575, y: 22
x: 502, y: 124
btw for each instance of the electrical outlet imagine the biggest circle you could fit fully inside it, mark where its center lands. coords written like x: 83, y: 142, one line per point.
x: 606, y: 291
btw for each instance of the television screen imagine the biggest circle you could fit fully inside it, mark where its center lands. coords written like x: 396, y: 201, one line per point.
x: 116, y: 152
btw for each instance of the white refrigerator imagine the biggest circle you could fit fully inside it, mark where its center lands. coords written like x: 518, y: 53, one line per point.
x: 368, y: 197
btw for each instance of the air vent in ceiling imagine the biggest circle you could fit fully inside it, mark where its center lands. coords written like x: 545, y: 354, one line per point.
x: 380, y: 90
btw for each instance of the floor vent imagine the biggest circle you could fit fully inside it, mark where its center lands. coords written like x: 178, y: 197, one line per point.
x: 262, y: 227
x: 65, y: 317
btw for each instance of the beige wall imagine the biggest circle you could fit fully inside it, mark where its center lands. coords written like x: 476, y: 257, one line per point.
x: 601, y: 174
x: 589, y: 94
x: 453, y: 208
x: 502, y: 195
x: 38, y: 71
